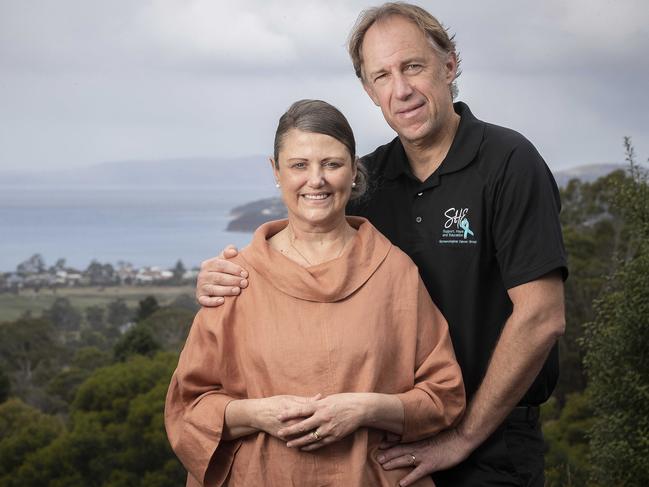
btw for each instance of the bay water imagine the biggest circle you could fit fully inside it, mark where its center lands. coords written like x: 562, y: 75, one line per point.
x: 142, y: 226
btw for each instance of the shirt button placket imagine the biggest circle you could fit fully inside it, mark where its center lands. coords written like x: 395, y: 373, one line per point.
x: 418, y: 219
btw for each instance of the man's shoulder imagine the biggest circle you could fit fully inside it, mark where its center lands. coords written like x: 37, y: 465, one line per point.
x: 505, y: 139
x: 508, y: 156
x: 504, y: 150
x: 380, y: 156
x: 378, y: 163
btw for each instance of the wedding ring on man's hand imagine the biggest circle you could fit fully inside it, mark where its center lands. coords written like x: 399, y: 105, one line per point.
x: 315, y: 435
x: 413, y: 458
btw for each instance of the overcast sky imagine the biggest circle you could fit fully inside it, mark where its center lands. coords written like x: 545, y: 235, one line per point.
x: 83, y: 82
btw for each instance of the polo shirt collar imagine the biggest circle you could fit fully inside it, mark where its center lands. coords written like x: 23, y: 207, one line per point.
x: 398, y: 162
x: 464, y: 147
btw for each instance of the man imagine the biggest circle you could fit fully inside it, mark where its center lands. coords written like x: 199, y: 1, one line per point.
x: 476, y: 208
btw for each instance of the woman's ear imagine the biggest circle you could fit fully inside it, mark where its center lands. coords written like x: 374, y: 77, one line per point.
x: 275, y: 167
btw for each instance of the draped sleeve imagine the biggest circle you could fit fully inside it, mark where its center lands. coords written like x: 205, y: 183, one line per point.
x: 437, y: 399
x: 197, y: 398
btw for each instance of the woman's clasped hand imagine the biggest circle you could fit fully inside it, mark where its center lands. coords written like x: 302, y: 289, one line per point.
x: 326, y: 420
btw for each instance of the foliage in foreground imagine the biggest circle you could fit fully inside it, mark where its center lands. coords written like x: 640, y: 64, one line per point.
x: 116, y: 435
x: 567, y: 461
x: 616, y: 360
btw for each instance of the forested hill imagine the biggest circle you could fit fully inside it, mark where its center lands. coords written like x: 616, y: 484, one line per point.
x: 585, y: 173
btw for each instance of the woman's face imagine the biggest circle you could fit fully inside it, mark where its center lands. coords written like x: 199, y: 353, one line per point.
x: 315, y: 175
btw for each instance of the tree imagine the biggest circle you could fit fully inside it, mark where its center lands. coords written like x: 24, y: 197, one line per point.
x: 5, y: 385
x: 137, y: 341
x: 96, y: 339
x: 67, y: 381
x: 594, y: 232
x: 90, y: 358
x: 63, y: 316
x: 100, y: 274
x: 25, y: 345
x: 185, y: 301
x: 95, y: 317
x: 118, y: 313
x: 58, y: 266
x: 34, y: 265
x: 148, y: 306
x: 23, y: 430
x: 116, y: 436
x: 170, y: 327
x: 616, y: 357
x: 179, y: 272
x: 567, y: 461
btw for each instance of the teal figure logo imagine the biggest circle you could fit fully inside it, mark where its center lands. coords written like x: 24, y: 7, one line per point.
x: 464, y: 225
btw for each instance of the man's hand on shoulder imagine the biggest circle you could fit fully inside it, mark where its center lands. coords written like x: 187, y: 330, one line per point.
x: 219, y: 278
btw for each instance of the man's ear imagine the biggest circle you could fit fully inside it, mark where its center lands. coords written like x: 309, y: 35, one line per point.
x: 450, y: 68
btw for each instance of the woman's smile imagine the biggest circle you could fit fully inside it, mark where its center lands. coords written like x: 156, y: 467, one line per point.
x: 316, y: 196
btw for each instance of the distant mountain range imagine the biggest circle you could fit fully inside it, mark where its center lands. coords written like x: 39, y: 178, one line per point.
x: 248, y: 172
x: 586, y: 173
x: 202, y: 171
x: 245, y: 172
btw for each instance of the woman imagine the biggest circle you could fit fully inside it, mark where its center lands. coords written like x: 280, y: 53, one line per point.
x: 334, y: 344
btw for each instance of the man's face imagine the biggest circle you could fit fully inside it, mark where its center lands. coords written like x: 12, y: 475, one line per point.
x: 404, y: 75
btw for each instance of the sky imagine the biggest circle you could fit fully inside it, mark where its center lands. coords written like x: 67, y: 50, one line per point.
x: 84, y: 82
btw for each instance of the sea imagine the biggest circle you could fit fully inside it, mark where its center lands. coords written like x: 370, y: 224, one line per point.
x: 146, y: 227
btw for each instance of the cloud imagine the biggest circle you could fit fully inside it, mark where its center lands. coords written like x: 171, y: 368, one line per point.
x: 247, y: 36
x: 216, y: 32
x: 197, y: 35
x: 579, y: 36
x: 86, y: 82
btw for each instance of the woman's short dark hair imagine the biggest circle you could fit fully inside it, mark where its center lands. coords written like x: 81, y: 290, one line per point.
x: 320, y: 117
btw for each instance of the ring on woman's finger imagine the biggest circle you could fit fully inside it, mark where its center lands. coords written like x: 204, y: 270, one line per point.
x: 413, y: 458
x: 315, y: 435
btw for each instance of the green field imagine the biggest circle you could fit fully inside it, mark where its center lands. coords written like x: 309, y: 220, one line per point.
x: 14, y: 305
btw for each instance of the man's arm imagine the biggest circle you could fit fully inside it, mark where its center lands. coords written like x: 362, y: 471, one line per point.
x: 536, y: 322
x: 219, y: 278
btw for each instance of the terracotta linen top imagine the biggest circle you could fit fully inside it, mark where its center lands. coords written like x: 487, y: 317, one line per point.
x: 362, y: 322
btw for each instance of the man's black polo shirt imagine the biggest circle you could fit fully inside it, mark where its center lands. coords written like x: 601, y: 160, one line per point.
x: 485, y: 221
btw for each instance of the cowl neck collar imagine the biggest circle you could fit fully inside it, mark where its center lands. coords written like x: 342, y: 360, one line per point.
x: 326, y: 282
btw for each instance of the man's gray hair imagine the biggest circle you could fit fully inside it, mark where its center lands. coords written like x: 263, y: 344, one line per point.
x: 440, y: 41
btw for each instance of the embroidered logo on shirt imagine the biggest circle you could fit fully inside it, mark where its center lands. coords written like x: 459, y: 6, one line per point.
x: 457, y: 228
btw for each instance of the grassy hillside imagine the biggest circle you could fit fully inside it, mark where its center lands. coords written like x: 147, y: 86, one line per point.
x: 14, y: 305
